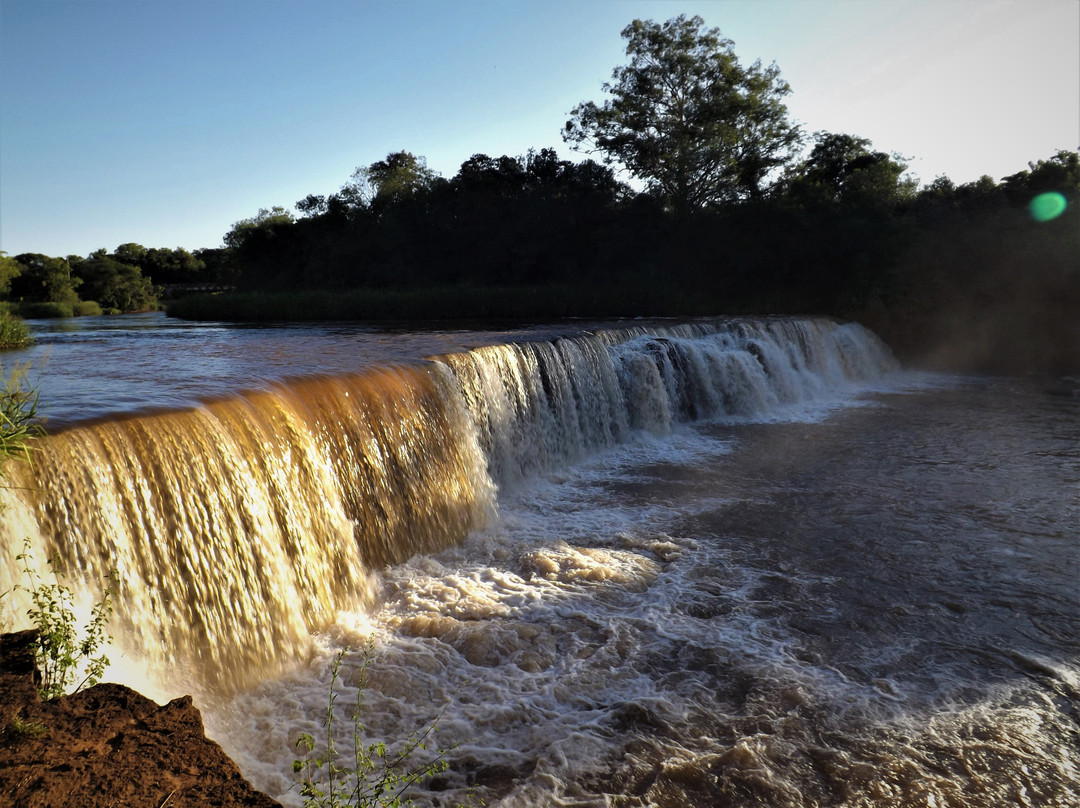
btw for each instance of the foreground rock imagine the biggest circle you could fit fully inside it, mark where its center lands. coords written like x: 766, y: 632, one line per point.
x: 106, y: 746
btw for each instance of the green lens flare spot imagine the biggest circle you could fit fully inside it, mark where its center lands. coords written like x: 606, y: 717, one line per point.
x: 1047, y: 206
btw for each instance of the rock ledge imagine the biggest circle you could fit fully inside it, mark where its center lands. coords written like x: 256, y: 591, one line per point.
x: 107, y: 747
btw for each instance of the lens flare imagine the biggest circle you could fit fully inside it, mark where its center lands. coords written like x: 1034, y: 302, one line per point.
x: 1047, y: 206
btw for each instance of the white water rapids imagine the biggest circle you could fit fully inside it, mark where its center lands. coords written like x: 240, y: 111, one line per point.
x: 746, y: 563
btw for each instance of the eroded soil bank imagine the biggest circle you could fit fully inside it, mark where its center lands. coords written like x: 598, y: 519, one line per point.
x: 106, y: 746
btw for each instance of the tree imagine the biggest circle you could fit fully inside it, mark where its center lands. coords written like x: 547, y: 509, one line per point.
x: 687, y: 118
x: 217, y: 265
x: 981, y: 193
x: 163, y: 265
x: 400, y: 176
x: 44, y: 279
x: 114, y: 285
x: 9, y: 268
x: 312, y: 205
x: 1061, y: 173
x: 131, y: 253
x: 841, y: 168
x: 502, y: 176
x: 263, y: 221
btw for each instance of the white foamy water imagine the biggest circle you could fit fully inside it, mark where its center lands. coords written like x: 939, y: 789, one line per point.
x: 737, y: 564
x: 644, y: 627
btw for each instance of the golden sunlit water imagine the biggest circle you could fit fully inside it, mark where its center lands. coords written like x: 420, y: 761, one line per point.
x: 740, y: 563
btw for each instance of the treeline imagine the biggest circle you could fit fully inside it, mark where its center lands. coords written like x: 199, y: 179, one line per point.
x: 732, y: 209
x: 499, y: 221
x: 129, y: 279
x: 843, y: 231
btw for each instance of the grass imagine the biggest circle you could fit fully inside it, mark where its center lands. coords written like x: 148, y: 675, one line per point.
x: 19, y: 728
x: 86, y: 308
x: 18, y: 416
x: 14, y: 333
x: 46, y: 310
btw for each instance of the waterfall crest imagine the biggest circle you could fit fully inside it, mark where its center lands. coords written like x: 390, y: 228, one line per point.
x: 242, y: 526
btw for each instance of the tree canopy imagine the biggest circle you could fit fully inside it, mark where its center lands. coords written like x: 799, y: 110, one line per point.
x: 400, y: 176
x: 687, y: 118
x: 842, y: 168
x: 263, y: 221
x: 44, y: 278
x: 114, y: 285
x: 730, y: 219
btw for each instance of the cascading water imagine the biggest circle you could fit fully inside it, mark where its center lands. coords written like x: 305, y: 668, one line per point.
x: 537, y: 405
x: 730, y: 563
x: 238, y: 528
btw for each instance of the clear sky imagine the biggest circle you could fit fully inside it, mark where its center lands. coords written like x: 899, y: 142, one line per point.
x: 164, y: 122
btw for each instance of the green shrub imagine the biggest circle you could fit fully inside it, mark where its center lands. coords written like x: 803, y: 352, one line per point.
x: 14, y: 333
x: 372, y: 776
x: 19, y: 728
x: 60, y: 652
x: 86, y: 308
x: 461, y: 303
x: 46, y: 310
x: 18, y: 413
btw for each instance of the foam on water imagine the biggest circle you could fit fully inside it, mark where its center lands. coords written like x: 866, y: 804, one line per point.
x: 546, y: 632
x: 590, y: 649
x: 665, y: 605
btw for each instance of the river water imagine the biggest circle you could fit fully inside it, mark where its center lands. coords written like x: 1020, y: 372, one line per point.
x: 864, y: 593
x: 88, y: 367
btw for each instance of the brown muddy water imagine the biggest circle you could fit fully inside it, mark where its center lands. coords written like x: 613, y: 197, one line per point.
x: 751, y: 563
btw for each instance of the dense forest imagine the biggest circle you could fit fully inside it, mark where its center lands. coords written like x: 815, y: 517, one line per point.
x: 697, y: 196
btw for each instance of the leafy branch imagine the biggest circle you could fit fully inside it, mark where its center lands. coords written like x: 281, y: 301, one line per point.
x: 61, y: 651
x: 373, y: 776
x: 18, y: 411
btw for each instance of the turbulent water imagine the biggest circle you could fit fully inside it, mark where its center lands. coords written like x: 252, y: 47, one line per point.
x: 744, y: 563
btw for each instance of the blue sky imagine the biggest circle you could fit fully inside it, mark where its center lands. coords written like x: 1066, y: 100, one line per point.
x: 165, y: 122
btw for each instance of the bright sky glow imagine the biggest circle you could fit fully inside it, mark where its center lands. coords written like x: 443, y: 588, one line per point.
x: 164, y: 122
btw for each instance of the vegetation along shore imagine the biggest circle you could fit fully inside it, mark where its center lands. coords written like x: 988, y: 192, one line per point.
x: 716, y: 204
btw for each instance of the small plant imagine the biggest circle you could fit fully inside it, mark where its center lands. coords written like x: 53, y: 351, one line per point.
x: 21, y: 728
x: 14, y: 333
x: 18, y: 413
x: 59, y: 652
x: 18, y: 428
x: 373, y: 776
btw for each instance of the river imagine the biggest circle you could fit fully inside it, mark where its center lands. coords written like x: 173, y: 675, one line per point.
x: 815, y: 580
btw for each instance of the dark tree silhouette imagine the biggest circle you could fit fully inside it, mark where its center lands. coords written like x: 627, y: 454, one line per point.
x: 687, y: 118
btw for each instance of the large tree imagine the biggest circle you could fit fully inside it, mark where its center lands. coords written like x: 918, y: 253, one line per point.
x: 842, y: 168
x: 402, y: 175
x: 114, y: 285
x: 9, y: 268
x: 687, y: 118
x: 44, y: 279
x: 262, y: 223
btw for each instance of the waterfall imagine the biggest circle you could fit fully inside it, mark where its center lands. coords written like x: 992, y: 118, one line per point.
x: 239, y: 528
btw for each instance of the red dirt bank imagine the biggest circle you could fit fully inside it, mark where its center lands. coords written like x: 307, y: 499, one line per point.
x: 107, y: 747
